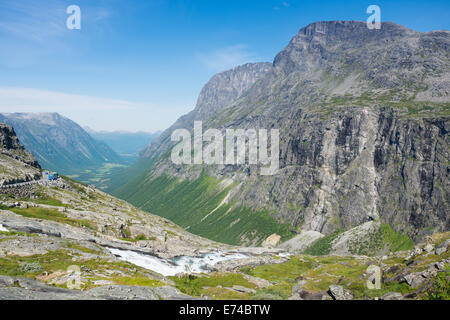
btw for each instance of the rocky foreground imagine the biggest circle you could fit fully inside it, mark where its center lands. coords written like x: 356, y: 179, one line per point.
x: 66, y: 225
x: 57, y: 241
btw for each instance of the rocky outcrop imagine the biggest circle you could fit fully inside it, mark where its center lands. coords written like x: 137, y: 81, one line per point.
x: 272, y: 241
x: 339, y: 293
x: 14, y: 288
x: 300, y: 243
x: 16, y: 164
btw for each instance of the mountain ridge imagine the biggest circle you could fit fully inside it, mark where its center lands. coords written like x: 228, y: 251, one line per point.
x: 57, y: 142
x: 363, y: 118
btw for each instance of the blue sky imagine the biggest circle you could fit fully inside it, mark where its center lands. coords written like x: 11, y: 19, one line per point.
x: 139, y: 65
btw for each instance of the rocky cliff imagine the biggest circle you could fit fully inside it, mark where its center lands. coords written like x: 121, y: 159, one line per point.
x: 363, y: 118
x: 16, y: 163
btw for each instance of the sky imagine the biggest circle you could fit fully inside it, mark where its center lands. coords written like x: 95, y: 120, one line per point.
x: 138, y: 65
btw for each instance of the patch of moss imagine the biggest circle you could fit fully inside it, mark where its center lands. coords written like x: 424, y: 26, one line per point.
x: 323, y: 245
x: 49, y: 214
x: 194, y: 285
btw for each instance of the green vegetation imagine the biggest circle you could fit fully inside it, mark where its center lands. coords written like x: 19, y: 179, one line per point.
x: 441, y: 287
x: 382, y: 239
x: 197, y: 285
x: 50, y: 262
x: 396, y: 240
x: 99, y: 175
x: 48, y: 214
x: 323, y: 245
x: 194, y: 205
x: 137, y: 280
x: 283, y: 275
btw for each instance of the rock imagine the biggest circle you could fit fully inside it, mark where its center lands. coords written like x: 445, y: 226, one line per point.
x: 339, y: 293
x: 414, y: 279
x: 428, y: 248
x: 271, y: 241
x: 392, y: 296
x: 242, y: 289
x: 394, y: 269
x: 137, y: 293
x: 300, y: 243
x: 442, y: 247
x: 259, y: 282
x: 298, y: 287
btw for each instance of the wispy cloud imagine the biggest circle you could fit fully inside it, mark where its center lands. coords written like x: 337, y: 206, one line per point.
x: 32, y: 20
x: 35, y: 100
x: 226, y: 58
x: 283, y: 4
x: 95, y: 112
x: 32, y: 30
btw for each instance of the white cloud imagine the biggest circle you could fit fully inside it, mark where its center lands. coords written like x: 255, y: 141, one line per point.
x: 226, y: 58
x: 95, y: 112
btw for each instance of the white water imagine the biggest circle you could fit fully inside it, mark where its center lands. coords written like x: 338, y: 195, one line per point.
x: 178, y: 265
x: 2, y: 228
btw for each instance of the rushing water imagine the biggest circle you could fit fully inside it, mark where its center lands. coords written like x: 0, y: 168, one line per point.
x: 176, y: 265
x: 2, y: 228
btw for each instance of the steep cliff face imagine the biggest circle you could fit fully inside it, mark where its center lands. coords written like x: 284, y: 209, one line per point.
x: 363, y: 118
x: 16, y: 163
x: 217, y: 94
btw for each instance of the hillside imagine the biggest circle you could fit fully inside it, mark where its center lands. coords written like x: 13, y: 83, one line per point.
x: 363, y: 119
x: 58, y: 143
x: 63, y: 240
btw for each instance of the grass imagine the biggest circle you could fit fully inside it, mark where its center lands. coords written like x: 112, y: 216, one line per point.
x: 49, y: 214
x: 396, y: 240
x: 50, y: 262
x: 60, y: 260
x: 283, y: 275
x: 189, y: 204
x: 323, y: 245
x: 193, y: 285
x: 137, y: 280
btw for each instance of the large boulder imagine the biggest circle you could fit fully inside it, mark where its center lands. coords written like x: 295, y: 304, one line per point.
x: 271, y: 241
x: 339, y: 293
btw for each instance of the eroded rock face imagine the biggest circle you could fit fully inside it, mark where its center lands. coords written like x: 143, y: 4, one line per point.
x: 363, y: 130
x: 272, y: 241
x: 16, y: 164
x: 10, y: 145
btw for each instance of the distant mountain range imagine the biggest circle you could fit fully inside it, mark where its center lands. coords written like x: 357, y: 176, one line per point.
x: 58, y: 143
x: 126, y: 144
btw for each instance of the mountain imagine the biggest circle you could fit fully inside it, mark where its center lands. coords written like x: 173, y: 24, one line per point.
x: 126, y: 144
x: 363, y: 117
x: 58, y: 143
x: 17, y: 164
x: 63, y: 240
